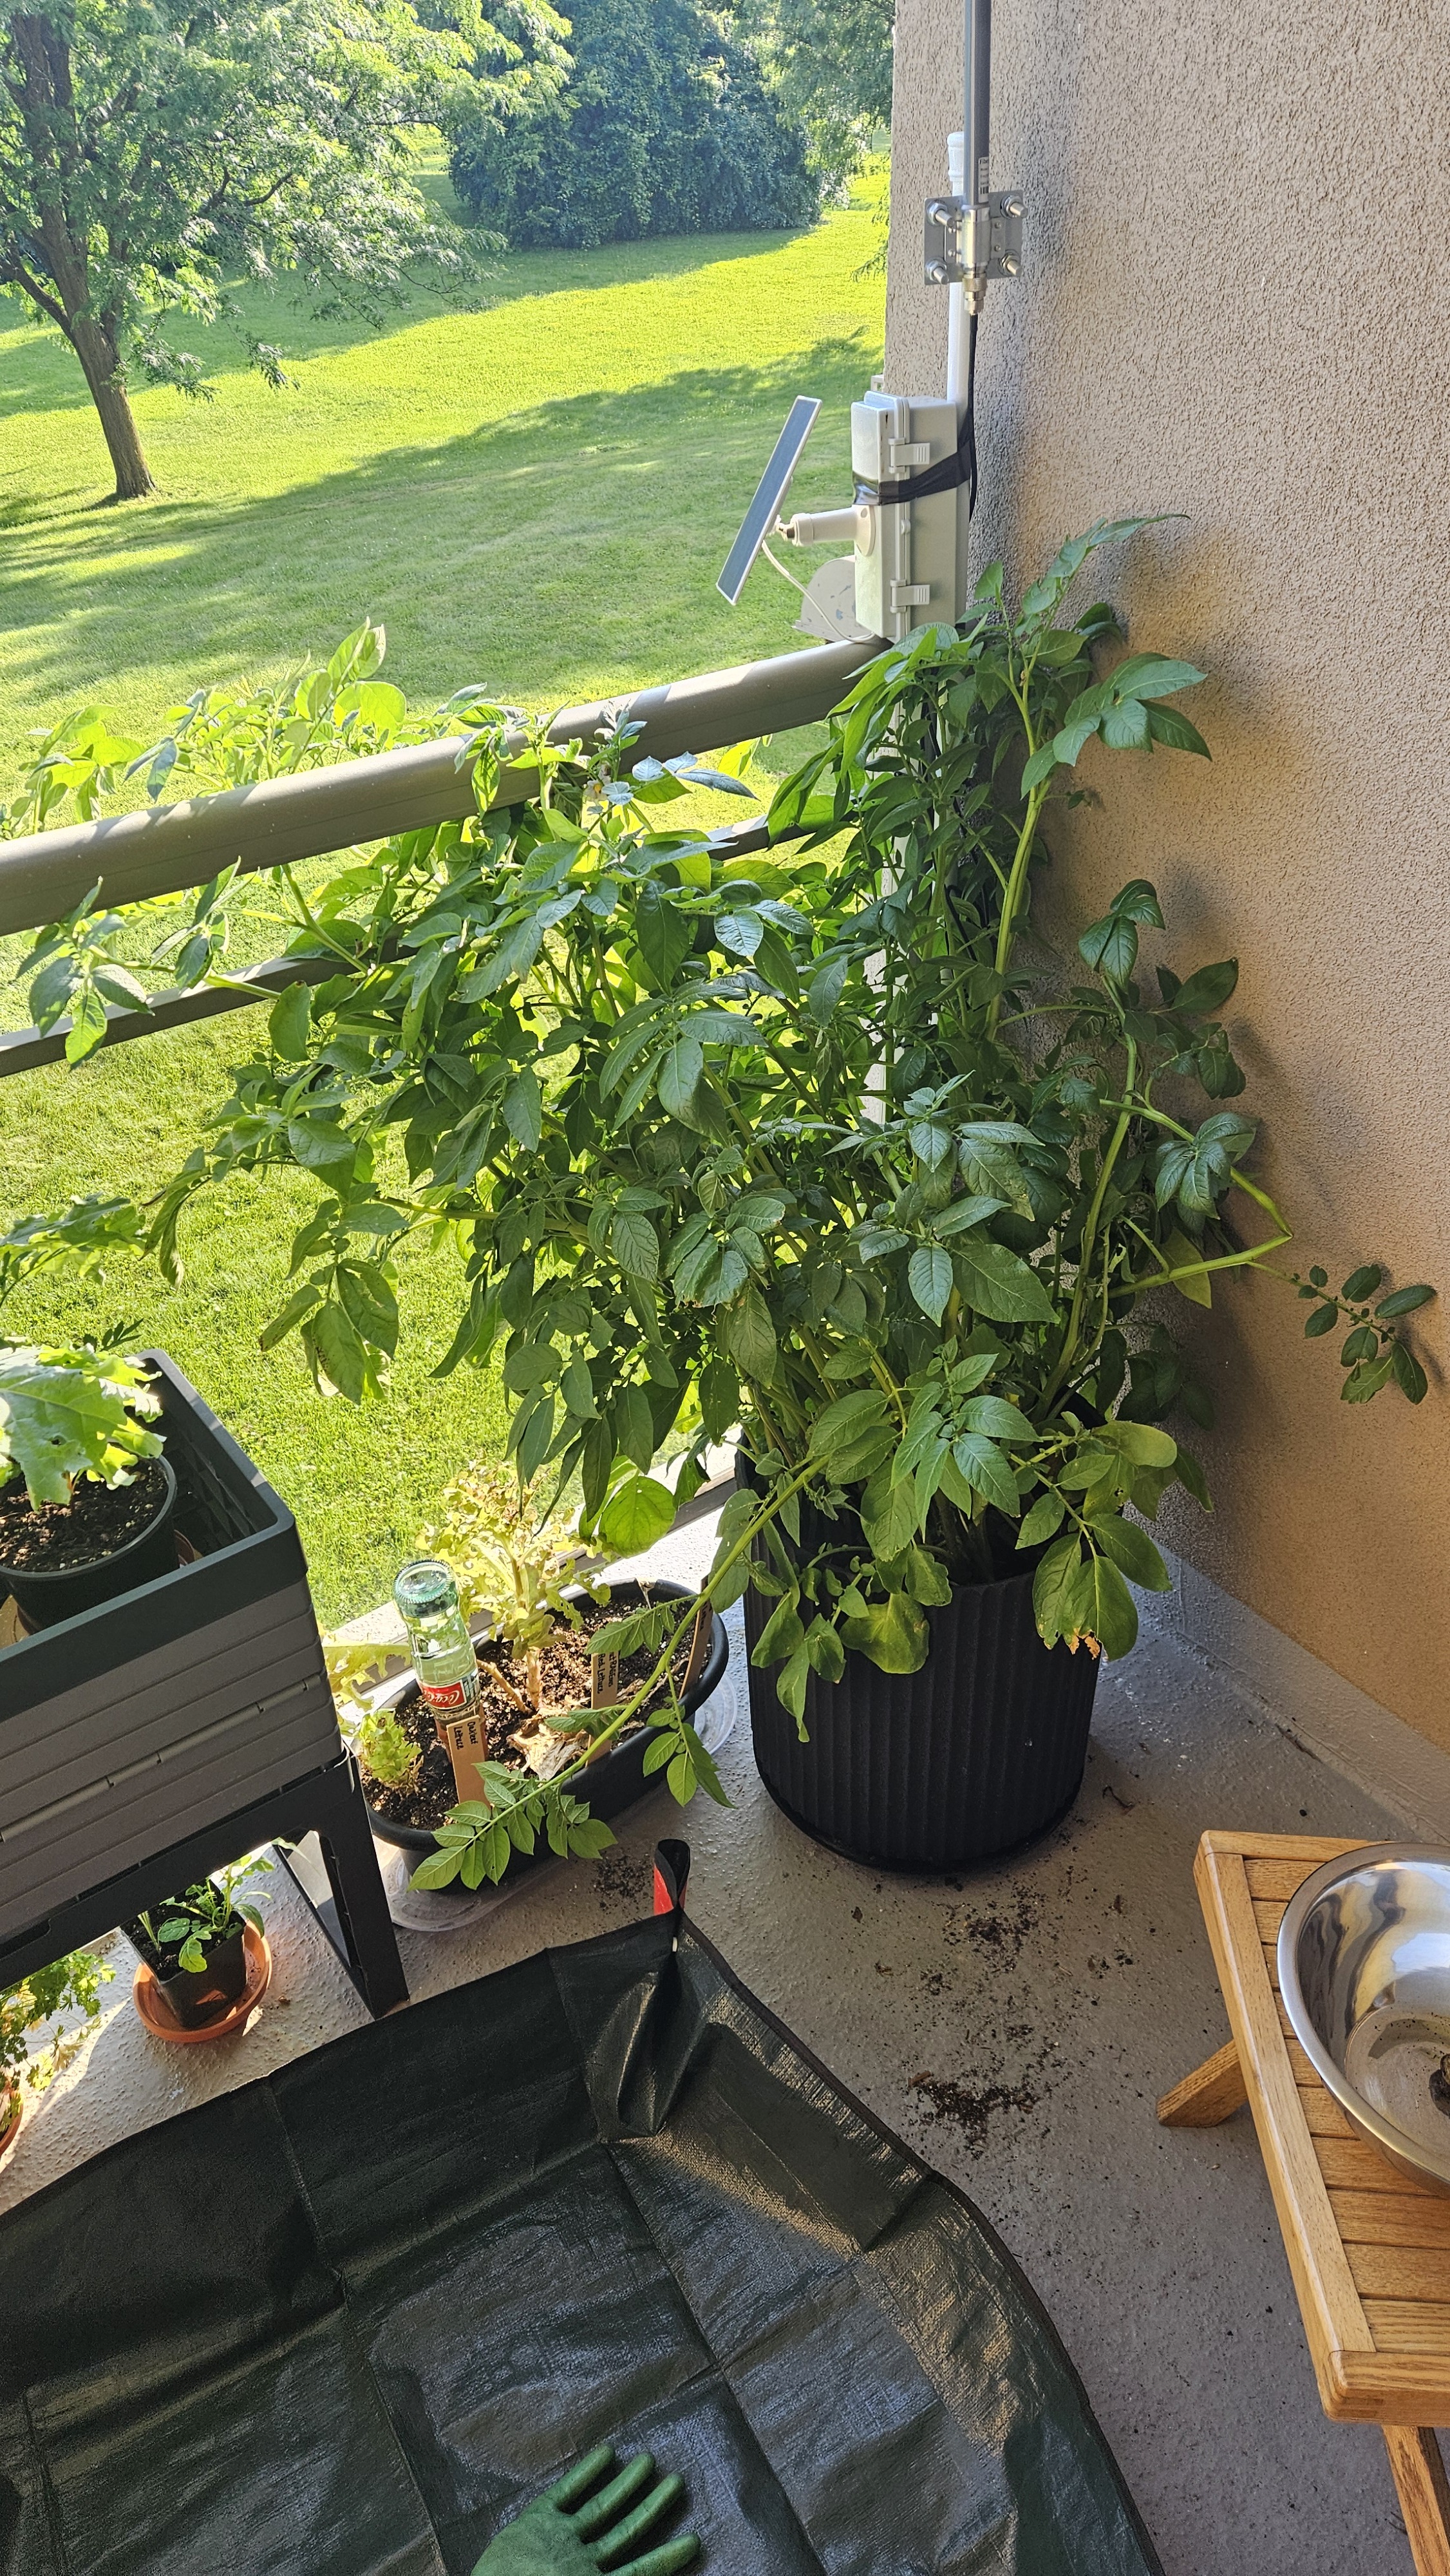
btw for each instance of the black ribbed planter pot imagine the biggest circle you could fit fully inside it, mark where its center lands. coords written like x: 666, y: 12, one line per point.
x: 943, y: 1769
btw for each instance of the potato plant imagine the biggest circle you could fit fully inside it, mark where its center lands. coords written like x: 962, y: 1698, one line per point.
x: 815, y: 1141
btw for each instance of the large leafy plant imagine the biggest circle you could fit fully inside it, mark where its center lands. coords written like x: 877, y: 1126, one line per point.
x: 71, y: 1983
x: 68, y: 1411
x: 817, y: 1141
x: 230, y: 734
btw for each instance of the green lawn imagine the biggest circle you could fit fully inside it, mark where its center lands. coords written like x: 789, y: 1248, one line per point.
x: 539, y: 496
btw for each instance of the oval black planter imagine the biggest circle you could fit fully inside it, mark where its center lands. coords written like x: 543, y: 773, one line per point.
x: 46, y: 1599
x: 943, y: 1769
x: 619, y: 1779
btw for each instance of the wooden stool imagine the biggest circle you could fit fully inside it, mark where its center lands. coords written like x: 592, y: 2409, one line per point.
x: 1369, y: 2250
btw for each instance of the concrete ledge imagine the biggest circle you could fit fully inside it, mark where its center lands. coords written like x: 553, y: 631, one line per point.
x: 1328, y: 1716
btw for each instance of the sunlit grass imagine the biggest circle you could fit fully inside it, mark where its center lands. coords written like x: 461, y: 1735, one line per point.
x: 538, y: 496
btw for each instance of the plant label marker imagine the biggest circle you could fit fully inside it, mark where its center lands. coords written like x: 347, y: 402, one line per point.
x: 604, y: 1682
x: 466, y: 1745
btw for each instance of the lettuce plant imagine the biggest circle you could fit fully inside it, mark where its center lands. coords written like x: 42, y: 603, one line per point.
x: 77, y: 1410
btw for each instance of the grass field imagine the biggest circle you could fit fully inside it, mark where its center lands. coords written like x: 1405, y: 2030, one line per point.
x: 539, y: 496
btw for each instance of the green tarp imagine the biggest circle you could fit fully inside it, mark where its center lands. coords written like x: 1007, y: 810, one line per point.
x: 348, y: 2320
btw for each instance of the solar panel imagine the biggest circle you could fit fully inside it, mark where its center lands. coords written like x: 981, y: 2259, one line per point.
x: 770, y: 491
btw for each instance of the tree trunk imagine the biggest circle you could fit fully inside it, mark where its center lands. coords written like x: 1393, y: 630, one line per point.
x: 96, y: 350
x: 58, y: 281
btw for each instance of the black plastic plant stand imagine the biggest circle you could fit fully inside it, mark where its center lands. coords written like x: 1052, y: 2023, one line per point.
x: 153, y: 1738
x: 340, y: 1881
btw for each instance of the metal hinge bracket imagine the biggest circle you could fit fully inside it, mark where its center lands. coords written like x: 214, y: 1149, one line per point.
x: 962, y: 240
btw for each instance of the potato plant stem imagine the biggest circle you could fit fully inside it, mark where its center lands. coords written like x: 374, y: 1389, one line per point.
x: 630, y: 1707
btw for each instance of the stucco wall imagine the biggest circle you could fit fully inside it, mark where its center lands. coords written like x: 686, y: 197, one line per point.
x: 1237, y: 305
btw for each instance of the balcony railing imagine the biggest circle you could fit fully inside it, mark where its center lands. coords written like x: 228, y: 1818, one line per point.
x: 279, y: 821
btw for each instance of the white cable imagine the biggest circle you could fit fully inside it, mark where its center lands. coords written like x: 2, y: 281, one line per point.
x: 777, y: 566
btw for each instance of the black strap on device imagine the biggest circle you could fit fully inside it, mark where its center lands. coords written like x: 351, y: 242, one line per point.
x: 949, y: 471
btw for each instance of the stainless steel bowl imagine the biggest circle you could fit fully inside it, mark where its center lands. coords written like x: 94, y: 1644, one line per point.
x: 1364, y: 1970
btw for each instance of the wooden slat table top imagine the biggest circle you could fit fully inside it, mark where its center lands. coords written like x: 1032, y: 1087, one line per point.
x: 1369, y: 2249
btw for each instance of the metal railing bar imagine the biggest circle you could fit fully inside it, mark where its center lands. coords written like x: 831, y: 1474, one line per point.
x: 281, y: 820
x: 176, y: 1007
x: 21, y: 1050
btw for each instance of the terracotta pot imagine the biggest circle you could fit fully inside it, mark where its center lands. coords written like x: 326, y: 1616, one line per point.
x: 149, y: 1997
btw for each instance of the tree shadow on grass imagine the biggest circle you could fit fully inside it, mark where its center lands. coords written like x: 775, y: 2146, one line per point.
x: 576, y: 540
x: 511, y: 279
x: 43, y: 375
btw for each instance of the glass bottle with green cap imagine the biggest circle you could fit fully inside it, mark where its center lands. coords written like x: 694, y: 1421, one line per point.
x: 443, y: 1654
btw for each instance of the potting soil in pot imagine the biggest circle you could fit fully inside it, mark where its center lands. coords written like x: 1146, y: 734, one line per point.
x: 98, y: 1521
x: 352, y: 2318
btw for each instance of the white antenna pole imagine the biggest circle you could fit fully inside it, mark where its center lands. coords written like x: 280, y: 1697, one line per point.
x: 913, y: 456
x: 957, y: 294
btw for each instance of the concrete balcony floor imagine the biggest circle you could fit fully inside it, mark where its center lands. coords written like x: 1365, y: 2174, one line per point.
x: 1015, y: 2028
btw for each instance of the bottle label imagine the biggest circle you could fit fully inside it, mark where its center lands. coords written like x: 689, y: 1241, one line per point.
x: 451, y: 1699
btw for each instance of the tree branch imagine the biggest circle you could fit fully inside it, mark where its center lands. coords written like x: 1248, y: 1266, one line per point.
x: 12, y: 274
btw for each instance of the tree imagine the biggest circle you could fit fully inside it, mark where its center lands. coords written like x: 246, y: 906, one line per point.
x: 153, y: 150
x: 665, y: 124
x: 831, y: 63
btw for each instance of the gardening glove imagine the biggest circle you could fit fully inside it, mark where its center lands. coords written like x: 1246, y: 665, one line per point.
x: 562, y: 2534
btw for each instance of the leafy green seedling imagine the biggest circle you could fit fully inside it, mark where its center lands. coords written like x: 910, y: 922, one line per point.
x: 205, y: 1914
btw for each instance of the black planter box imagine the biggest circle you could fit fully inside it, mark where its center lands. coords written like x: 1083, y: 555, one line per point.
x: 153, y: 1717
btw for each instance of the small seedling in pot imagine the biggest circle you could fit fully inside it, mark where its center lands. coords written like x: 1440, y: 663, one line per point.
x: 75, y: 1435
x: 519, y: 1574
x: 205, y: 1914
x: 72, y: 1409
x: 195, y: 1945
x: 384, y: 1749
x: 487, y: 1745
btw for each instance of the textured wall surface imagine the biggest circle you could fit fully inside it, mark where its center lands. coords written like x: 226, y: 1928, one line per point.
x: 1237, y: 305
